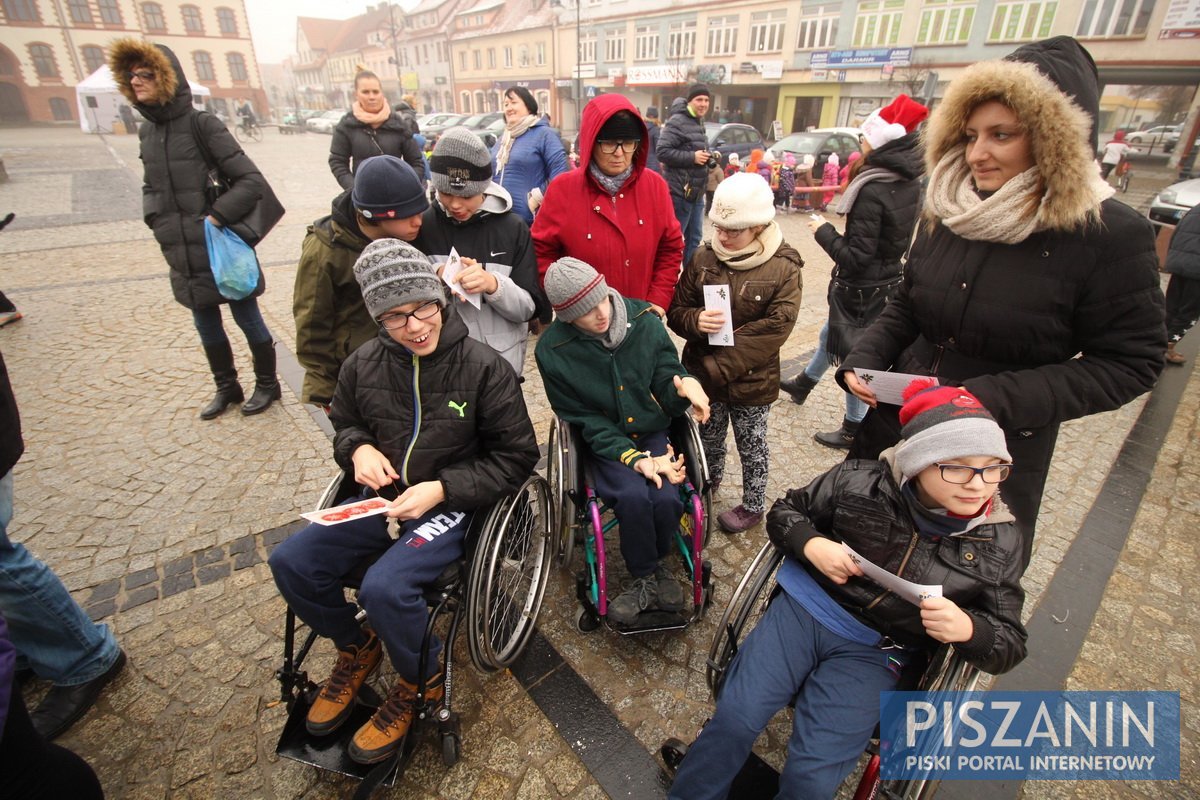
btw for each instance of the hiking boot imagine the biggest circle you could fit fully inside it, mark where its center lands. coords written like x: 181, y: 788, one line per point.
x: 384, y: 733
x: 738, y: 519
x: 842, y: 438
x: 798, y: 387
x: 336, y: 699
x: 670, y: 592
x: 639, y: 596
x: 1174, y: 358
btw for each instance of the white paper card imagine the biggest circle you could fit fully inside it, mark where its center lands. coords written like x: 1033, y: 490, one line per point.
x: 339, y: 514
x: 912, y: 592
x: 450, y: 272
x: 889, y: 386
x: 716, y: 298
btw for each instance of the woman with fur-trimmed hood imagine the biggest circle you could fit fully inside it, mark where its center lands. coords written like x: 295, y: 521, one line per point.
x: 1026, y: 283
x: 174, y: 207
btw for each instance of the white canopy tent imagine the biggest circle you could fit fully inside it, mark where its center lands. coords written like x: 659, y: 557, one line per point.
x: 100, y: 101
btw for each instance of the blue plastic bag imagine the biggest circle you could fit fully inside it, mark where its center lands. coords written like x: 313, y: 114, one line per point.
x: 234, y: 264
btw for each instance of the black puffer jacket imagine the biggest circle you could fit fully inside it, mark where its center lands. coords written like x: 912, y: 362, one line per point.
x: 11, y: 443
x: 859, y: 502
x: 354, y: 142
x: 880, y: 224
x: 681, y: 136
x: 1183, y: 257
x: 456, y: 416
x: 173, y: 201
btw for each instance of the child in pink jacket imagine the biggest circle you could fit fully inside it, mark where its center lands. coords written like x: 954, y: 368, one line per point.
x: 829, y: 177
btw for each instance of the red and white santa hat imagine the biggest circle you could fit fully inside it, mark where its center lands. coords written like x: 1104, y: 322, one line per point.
x: 898, y: 118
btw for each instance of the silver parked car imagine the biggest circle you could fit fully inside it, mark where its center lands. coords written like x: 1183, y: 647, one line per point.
x: 1169, y: 205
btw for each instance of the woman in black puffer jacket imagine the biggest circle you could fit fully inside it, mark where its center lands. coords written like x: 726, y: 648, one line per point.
x: 1027, y: 283
x: 175, y: 207
x: 881, y: 204
x: 371, y: 128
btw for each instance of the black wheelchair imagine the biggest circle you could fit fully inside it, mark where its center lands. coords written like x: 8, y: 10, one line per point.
x: 944, y: 671
x: 581, y: 517
x: 496, y: 589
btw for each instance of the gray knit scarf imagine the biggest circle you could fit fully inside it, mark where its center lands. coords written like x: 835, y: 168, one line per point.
x: 869, y: 175
x: 610, y: 183
x: 618, y: 324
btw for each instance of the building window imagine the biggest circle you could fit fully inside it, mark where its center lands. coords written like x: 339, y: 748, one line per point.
x: 465, y: 100
x: 878, y: 23
x: 681, y: 40
x: 945, y: 22
x: 587, y: 48
x: 425, y: 52
x: 80, y: 11
x: 480, y: 102
x: 237, y: 66
x: 508, y: 62
x: 462, y: 59
x: 722, y: 36
x: 614, y: 46
x: 227, y: 21
x: 491, y: 53
x: 766, y: 31
x: 646, y: 43
x: 540, y: 56
x: 1109, y: 18
x: 60, y: 109
x: 43, y: 60
x: 110, y: 12
x: 192, y: 23
x: 1023, y: 21
x: 478, y: 58
x: 20, y: 11
x: 204, y: 66
x: 152, y: 12
x: 93, y: 57
x: 818, y: 30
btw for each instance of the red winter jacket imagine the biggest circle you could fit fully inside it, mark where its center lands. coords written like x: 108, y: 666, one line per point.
x: 633, y: 239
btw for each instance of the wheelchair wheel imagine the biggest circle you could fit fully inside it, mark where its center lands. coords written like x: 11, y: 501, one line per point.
x: 558, y: 443
x: 686, y: 432
x: 508, y: 576
x: 745, y: 608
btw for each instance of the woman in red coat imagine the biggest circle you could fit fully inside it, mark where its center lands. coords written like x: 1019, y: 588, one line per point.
x: 611, y: 211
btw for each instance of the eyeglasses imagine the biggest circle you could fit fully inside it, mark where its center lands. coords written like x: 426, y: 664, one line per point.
x: 399, y: 319
x: 143, y: 75
x: 608, y: 148
x: 961, y: 473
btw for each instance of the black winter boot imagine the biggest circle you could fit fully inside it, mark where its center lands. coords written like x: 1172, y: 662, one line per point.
x: 266, y: 382
x: 840, y: 439
x: 229, y: 391
x: 798, y: 387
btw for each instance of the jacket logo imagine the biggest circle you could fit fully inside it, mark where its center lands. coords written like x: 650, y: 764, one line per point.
x: 435, y: 527
x: 459, y: 407
x: 498, y: 253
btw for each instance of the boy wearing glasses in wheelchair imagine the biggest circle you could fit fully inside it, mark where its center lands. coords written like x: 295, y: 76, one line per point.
x: 436, y: 419
x: 609, y: 367
x: 832, y: 639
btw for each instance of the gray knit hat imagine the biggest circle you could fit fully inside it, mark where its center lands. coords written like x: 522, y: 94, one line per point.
x: 574, y: 288
x: 392, y: 273
x: 943, y: 423
x: 460, y: 165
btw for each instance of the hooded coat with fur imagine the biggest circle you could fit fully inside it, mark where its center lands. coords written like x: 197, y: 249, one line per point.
x: 173, y: 201
x: 1009, y: 320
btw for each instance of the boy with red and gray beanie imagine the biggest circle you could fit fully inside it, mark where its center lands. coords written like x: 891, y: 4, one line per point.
x: 833, y: 639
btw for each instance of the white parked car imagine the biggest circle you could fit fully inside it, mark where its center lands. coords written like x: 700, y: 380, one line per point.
x: 324, y: 122
x: 1169, y: 205
x: 1159, y: 134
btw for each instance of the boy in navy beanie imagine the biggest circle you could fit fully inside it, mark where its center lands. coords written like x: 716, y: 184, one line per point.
x: 833, y: 639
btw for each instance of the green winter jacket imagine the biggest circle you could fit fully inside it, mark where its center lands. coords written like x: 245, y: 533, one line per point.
x: 614, y: 396
x: 331, y: 319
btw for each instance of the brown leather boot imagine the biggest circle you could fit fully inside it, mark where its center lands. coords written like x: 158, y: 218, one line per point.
x: 1174, y: 358
x: 385, y: 731
x: 336, y: 700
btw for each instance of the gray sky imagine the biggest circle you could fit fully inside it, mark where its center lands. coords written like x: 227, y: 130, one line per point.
x: 273, y: 22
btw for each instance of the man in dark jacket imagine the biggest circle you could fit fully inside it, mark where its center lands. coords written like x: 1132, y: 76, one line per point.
x: 684, y: 154
x: 437, y: 419
x: 653, y: 129
x: 1183, y: 291
x: 47, y: 627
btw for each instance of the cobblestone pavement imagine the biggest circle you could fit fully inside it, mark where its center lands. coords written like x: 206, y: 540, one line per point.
x: 159, y: 523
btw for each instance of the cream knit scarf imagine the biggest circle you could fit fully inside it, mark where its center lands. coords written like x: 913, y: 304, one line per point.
x: 510, y: 135
x: 761, y: 250
x: 367, y: 118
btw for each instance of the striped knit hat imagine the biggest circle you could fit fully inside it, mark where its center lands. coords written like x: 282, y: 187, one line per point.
x: 393, y: 273
x: 574, y: 288
x: 943, y: 423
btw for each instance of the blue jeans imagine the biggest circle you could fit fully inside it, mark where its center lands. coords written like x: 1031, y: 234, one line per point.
x: 52, y: 634
x: 855, y: 409
x: 690, y: 214
x: 309, y: 567
x: 836, y: 685
x: 245, y: 314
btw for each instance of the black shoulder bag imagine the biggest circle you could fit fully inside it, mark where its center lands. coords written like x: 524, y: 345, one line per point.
x: 267, y: 211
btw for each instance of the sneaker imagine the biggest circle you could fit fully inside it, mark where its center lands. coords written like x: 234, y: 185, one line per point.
x: 384, y: 733
x: 738, y: 519
x: 641, y: 595
x: 336, y: 699
x: 670, y: 592
x: 9, y: 317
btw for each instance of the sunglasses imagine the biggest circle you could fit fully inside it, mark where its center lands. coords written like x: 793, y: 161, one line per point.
x: 143, y: 75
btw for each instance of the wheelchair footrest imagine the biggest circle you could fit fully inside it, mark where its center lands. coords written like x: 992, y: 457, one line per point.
x: 328, y: 752
x: 652, y: 621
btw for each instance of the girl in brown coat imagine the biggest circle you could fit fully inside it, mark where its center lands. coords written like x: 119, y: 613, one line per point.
x: 762, y: 273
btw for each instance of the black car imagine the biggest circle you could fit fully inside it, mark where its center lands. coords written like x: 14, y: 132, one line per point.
x: 733, y: 137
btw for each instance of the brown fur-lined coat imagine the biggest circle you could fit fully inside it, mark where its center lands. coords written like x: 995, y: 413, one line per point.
x: 173, y: 202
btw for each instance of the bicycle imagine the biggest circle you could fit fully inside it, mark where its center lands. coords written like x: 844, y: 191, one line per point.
x: 248, y: 131
x: 1124, y: 171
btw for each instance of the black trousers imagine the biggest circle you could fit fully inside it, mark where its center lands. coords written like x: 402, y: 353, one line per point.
x: 1183, y: 306
x: 34, y: 769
